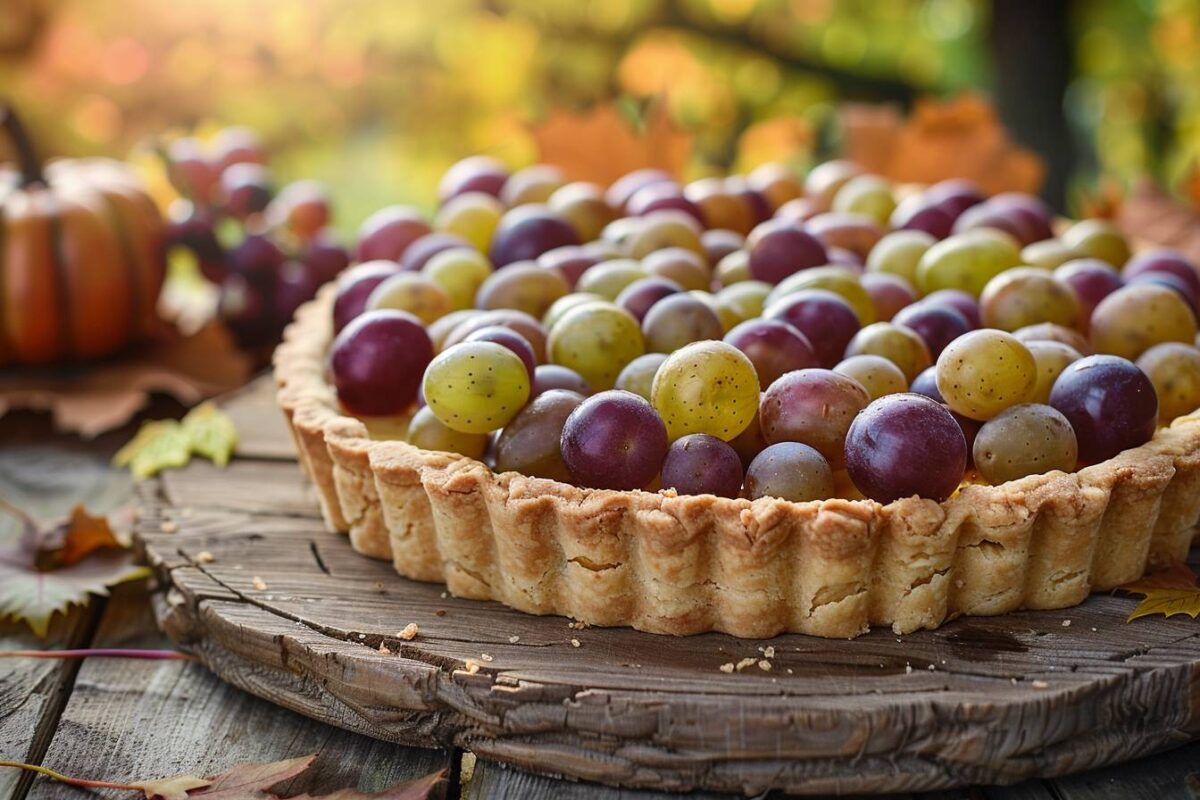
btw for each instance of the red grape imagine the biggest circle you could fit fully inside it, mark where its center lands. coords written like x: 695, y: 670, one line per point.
x: 659, y: 196
x: 813, y: 406
x: 527, y: 232
x: 389, y: 231
x: 955, y: 195
x: 824, y: 317
x: 624, y: 187
x: 937, y: 324
x: 191, y: 172
x: 417, y: 254
x: 1109, y: 402
x: 377, y: 362
x: 702, y: 464
x: 570, y: 261
x: 296, y: 285
x: 918, y: 213
x: 556, y: 376
x: 903, y: 445
x: 718, y: 243
x: 473, y: 174
x: 326, y: 257
x: 779, y: 249
x: 962, y: 302
x: 614, y: 440
x: 303, y: 207
x: 194, y: 228
x: 638, y: 297
x: 1092, y: 280
x: 531, y: 442
x: 774, y: 347
x: 507, y: 337
x: 1164, y: 261
x: 246, y: 189
x: 238, y: 145
x: 355, y: 286
x: 889, y: 293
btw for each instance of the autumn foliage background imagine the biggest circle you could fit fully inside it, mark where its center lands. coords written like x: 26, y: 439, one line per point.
x: 378, y: 97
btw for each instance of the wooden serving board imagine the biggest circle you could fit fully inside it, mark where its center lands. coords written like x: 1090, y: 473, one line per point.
x: 275, y: 604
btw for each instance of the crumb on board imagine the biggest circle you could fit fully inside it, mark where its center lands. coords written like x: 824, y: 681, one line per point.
x: 1067, y: 623
x: 745, y: 662
x: 769, y: 651
x: 410, y: 632
x: 790, y: 672
x: 514, y: 639
x: 205, y: 557
x: 1040, y: 684
x: 764, y: 665
x: 383, y: 649
x: 168, y: 527
x: 908, y: 669
x: 575, y: 643
x: 486, y: 657
x: 726, y: 667
x: 471, y: 666
x: 259, y: 584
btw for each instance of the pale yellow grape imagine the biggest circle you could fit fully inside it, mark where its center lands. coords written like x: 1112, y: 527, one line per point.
x: 1051, y: 358
x: 983, y: 372
x: 428, y: 432
x: 876, y: 374
x: 706, y: 387
x: 411, y: 292
x: 608, y: 278
x: 899, y: 253
x: 459, y: 272
x: 476, y: 387
x: 841, y: 281
x: 1174, y: 369
x: 966, y: 261
x: 740, y: 302
x: 564, y: 304
x: 898, y: 344
x: 596, y: 340
x: 473, y: 216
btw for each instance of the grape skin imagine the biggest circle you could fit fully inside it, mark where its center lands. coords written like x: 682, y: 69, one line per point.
x: 1026, y: 439
x: 702, y: 464
x: 773, y: 347
x: 1111, y: 404
x: 596, y: 340
x: 638, y: 375
x: 876, y: 374
x: 376, y: 361
x: 790, y: 471
x: 476, y: 387
x: 984, y: 372
x: 707, y: 387
x: 614, y: 440
x: 1174, y: 369
x: 427, y: 432
x: 814, y: 407
x: 531, y: 442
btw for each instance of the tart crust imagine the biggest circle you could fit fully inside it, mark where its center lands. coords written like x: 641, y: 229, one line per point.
x: 682, y: 565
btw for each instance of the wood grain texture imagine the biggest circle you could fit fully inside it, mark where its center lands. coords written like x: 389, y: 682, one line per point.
x: 131, y: 719
x: 288, y: 612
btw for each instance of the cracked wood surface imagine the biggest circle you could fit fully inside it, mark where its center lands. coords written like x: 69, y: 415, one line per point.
x: 287, y: 611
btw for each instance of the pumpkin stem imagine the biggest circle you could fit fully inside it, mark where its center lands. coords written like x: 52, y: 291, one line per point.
x: 31, y: 168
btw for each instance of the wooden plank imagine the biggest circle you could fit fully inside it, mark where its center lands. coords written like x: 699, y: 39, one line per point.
x: 142, y: 719
x: 1167, y: 776
x: 262, y: 432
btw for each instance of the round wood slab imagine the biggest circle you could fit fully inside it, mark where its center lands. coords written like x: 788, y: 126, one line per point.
x: 275, y: 604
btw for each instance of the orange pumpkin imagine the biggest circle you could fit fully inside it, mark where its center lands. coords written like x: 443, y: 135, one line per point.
x: 81, y: 256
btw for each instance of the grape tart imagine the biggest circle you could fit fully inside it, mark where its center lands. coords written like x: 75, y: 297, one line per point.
x: 666, y: 562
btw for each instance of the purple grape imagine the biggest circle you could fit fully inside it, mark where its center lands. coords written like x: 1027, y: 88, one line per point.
x: 754, y: 200
x: 1092, y: 280
x: 813, y: 406
x: 917, y: 213
x: 1109, y: 402
x: 926, y: 384
x: 662, y: 196
x: 388, y: 232
x: 955, y: 195
x: 355, y: 285
x: 903, y: 445
x: 823, y: 317
x: 1030, y: 211
x: 194, y: 228
x: 297, y: 284
x: 702, y: 464
x: 377, y: 362
x: 531, y: 442
x: 507, y: 337
x: 638, y: 297
x: 473, y: 174
x: 789, y: 471
x: 988, y: 215
x: 246, y: 189
x: 1168, y: 261
x: 624, y: 187
x: 326, y: 257
x: 570, y: 261
x: 555, y: 376
x: 1171, y: 281
x: 962, y: 302
x: 258, y: 259
x: 244, y: 307
x: 774, y: 347
x: 840, y: 256
x: 527, y: 232
x: 889, y: 293
x: 614, y: 440
x: 719, y: 242
x: 419, y: 252
x: 937, y: 324
x: 779, y: 249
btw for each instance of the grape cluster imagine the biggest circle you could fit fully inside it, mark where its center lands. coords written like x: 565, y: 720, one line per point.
x: 765, y: 336
x: 266, y: 250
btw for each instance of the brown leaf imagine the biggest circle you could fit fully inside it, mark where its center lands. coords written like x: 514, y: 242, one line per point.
x: 40, y: 578
x: 92, y: 399
x: 176, y: 788
x: 1152, y: 216
x: 601, y: 145
x: 429, y: 786
x: 958, y: 138
x: 1170, y: 592
x: 249, y: 781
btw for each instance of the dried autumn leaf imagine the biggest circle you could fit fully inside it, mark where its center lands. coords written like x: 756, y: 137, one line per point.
x: 1170, y: 592
x: 1151, y: 215
x: 601, y: 145
x: 211, y: 433
x: 250, y: 780
x: 33, y: 595
x: 176, y: 788
x: 158, y: 445
x: 74, y: 540
x: 959, y: 138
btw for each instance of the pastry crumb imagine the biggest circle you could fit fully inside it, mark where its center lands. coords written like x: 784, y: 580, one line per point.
x: 932, y: 668
x: 205, y: 557
x: 1093, y: 630
x: 168, y: 527
x: 908, y: 669
x: 471, y: 666
x: 726, y: 667
x: 514, y: 639
x: 445, y: 595
x: 764, y: 665
x: 745, y: 662
x: 362, y: 636
x: 1013, y: 681
x: 1067, y: 623
x: 1040, y: 685
x: 259, y: 584
x: 574, y: 643
x: 410, y: 632
x: 486, y: 657
x: 383, y: 649
x: 769, y: 651
x: 790, y: 672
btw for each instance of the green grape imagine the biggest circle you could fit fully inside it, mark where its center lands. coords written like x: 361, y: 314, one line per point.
x: 476, y: 387
x: 903, y: 346
x: 734, y: 268
x: 411, y: 292
x: 427, y: 432
x: 983, y: 372
x: 876, y: 374
x: 440, y: 330
x: 869, y: 195
x: 1097, y: 238
x: 685, y: 267
x: 1051, y: 358
x: 638, y: 375
x: 706, y: 387
x: 740, y: 302
x: 680, y: 319
x: 1049, y: 332
x: 564, y: 304
x: 661, y: 229
x: 841, y: 281
x: 1027, y: 296
x: 966, y: 261
x: 459, y: 271
x: 1048, y: 254
x: 1026, y: 439
x: 1174, y: 369
x: 1131, y: 320
x: 523, y: 286
x: 596, y: 340
x: 899, y: 253
x: 471, y: 215
x: 608, y: 278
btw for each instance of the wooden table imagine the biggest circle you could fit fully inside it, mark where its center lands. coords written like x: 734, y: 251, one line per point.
x: 120, y: 719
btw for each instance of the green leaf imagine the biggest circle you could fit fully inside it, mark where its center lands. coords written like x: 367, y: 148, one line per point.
x: 158, y: 445
x: 211, y: 433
